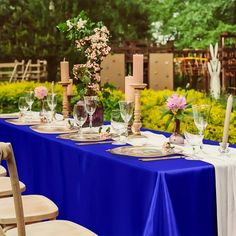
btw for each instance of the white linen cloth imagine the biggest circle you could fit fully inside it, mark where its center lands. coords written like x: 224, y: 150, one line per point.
x: 150, y: 139
x: 225, y: 180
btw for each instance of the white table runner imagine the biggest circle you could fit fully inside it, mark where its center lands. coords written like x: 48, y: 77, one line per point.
x: 225, y: 179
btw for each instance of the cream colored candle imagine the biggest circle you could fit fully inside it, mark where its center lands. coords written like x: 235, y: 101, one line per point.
x: 70, y: 88
x: 227, y: 121
x: 138, y: 68
x: 52, y: 87
x: 64, y: 71
x: 129, y: 90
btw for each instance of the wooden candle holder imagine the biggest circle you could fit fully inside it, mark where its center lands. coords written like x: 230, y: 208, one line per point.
x: 137, y: 108
x: 65, y: 101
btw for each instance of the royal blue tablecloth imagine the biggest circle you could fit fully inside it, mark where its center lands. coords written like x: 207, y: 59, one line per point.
x: 112, y: 194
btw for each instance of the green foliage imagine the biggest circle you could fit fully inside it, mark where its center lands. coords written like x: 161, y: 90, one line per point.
x: 153, y: 102
x: 109, y: 97
x: 194, y: 24
x: 10, y: 93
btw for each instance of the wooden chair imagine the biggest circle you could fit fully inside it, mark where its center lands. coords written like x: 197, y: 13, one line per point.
x: 36, y: 207
x: 3, y: 171
x: 46, y: 228
x: 5, y: 187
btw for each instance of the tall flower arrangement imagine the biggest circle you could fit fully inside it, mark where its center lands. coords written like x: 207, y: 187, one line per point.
x: 91, y: 40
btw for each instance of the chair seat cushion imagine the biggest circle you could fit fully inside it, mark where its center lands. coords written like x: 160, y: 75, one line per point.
x: 36, y: 208
x: 5, y: 187
x: 54, y: 227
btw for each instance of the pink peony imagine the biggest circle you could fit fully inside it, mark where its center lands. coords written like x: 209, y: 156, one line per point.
x: 176, y: 102
x: 40, y: 92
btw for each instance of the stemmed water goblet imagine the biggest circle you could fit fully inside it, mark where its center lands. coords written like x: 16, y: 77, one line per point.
x: 118, y: 125
x: 30, y: 100
x: 90, y: 106
x: 80, y: 115
x: 23, y: 107
x: 126, y: 110
x: 52, y: 103
x: 201, y: 115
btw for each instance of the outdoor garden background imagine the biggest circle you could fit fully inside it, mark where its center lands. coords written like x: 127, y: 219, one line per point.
x: 28, y: 32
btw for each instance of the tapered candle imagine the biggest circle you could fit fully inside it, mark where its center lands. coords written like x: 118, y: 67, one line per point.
x: 52, y: 87
x: 64, y: 71
x: 138, y: 68
x: 129, y: 91
x: 227, y: 121
x: 70, y: 88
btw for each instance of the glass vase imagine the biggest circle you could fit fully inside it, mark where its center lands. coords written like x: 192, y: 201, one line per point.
x: 176, y: 137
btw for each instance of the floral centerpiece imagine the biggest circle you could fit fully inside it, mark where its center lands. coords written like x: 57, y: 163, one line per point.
x: 176, y: 107
x: 91, y: 41
x: 40, y: 93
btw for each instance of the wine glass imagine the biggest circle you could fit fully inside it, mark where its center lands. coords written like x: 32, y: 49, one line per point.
x: 90, y: 106
x: 193, y: 138
x: 30, y: 100
x: 23, y: 107
x: 118, y: 125
x: 126, y: 110
x: 52, y: 103
x: 80, y: 115
x: 201, y: 115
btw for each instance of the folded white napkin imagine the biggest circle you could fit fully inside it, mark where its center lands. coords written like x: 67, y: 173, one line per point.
x: 149, y: 139
x: 225, y: 180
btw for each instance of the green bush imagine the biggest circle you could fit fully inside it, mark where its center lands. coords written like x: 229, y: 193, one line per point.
x: 152, y: 118
x: 10, y: 93
x: 151, y: 102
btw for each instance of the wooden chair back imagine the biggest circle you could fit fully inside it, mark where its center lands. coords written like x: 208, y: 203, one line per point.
x: 6, y: 153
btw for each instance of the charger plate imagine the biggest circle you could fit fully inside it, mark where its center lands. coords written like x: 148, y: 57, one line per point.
x: 55, y: 129
x: 26, y: 122
x: 9, y: 115
x: 143, y: 151
x: 86, y: 137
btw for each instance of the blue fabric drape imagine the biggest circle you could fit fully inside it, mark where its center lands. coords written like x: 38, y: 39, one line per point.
x: 116, y: 195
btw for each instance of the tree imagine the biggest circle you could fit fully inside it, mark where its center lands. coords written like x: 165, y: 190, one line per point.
x: 194, y: 24
x: 28, y: 27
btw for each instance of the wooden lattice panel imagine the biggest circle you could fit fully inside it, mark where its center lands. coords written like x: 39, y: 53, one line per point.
x: 114, y: 70
x: 161, y: 71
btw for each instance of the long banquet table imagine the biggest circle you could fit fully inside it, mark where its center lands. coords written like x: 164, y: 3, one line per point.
x: 112, y: 194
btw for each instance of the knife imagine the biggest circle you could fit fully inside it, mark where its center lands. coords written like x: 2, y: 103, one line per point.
x: 95, y: 142
x: 161, y: 158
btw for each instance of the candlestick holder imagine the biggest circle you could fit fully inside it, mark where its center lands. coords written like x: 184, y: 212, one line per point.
x: 65, y: 101
x: 137, y: 124
x: 224, y: 148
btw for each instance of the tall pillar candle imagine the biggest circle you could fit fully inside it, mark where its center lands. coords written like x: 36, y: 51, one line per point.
x: 227, y: 121
x: 64, y: 71
x: 70, y: 88
x: 129, y: 90
x: 138, y: 68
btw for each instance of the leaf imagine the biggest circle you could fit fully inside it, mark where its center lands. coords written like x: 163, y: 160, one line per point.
x: 168, y: 122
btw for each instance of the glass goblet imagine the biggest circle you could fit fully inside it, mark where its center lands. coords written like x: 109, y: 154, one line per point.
x: 118, y: 125
x: 52, y: 103
x: 30, y: 100
x: 201, y: 115
x: 90, y: 106
x: 126, y: 111
x: 194, y: 139
x: 23, y: 107
x: 80, y: 115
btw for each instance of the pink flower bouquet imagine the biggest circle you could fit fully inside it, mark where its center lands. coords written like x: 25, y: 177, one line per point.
x: 40, y: 92
x: 176, y: 107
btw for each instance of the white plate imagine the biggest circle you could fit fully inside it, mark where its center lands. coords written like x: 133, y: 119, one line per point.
x: 52, y: 129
